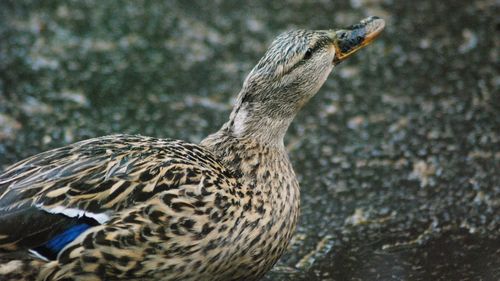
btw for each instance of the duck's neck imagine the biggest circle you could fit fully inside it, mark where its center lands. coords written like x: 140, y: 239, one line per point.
x: 264, y: 123
x: 239, y: 149
x: 253, y: 133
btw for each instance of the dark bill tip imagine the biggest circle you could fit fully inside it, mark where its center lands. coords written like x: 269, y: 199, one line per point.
x: 349, y: 40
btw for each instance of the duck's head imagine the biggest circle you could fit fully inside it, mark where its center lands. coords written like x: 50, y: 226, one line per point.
x: 292, y: 70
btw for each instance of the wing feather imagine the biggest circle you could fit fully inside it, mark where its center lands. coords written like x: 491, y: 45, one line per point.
x: 93, y: 178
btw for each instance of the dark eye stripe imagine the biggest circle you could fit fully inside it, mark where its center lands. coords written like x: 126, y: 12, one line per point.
x: 318, y: 45
x: 308, y: 54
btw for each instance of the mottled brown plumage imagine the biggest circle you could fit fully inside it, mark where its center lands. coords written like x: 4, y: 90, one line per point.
x: 143, y: 208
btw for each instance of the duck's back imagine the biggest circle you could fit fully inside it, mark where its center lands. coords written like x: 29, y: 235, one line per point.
x: 121, y: 206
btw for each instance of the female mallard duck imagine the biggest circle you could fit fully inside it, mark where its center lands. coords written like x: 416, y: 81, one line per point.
x: 144, y: 208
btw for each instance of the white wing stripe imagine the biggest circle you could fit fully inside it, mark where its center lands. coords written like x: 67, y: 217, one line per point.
x: 72, y: 213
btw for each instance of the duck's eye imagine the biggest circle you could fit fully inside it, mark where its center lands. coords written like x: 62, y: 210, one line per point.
x: 308, y: 54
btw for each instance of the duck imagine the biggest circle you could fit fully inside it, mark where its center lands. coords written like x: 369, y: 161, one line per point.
x: 145, y: 208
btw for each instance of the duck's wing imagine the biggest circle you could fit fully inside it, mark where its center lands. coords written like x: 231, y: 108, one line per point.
x: 65, y: 191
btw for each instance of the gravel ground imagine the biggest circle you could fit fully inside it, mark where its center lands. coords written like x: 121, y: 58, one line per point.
x: 398, y: 155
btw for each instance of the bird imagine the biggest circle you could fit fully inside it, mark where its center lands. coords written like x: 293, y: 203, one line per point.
x: 145, y: 208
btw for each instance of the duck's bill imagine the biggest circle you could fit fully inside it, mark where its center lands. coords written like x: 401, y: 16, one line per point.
x: 349, y: 40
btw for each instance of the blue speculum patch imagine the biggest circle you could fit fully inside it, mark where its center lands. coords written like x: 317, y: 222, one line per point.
x: 56, y: 244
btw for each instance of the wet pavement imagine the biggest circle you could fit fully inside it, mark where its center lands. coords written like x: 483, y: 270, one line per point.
x: 398, y: 156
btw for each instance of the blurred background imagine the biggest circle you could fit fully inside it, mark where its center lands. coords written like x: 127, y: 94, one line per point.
x: 398, y: 155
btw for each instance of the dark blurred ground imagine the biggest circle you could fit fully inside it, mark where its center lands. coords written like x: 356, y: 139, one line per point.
x: 398, y: 155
